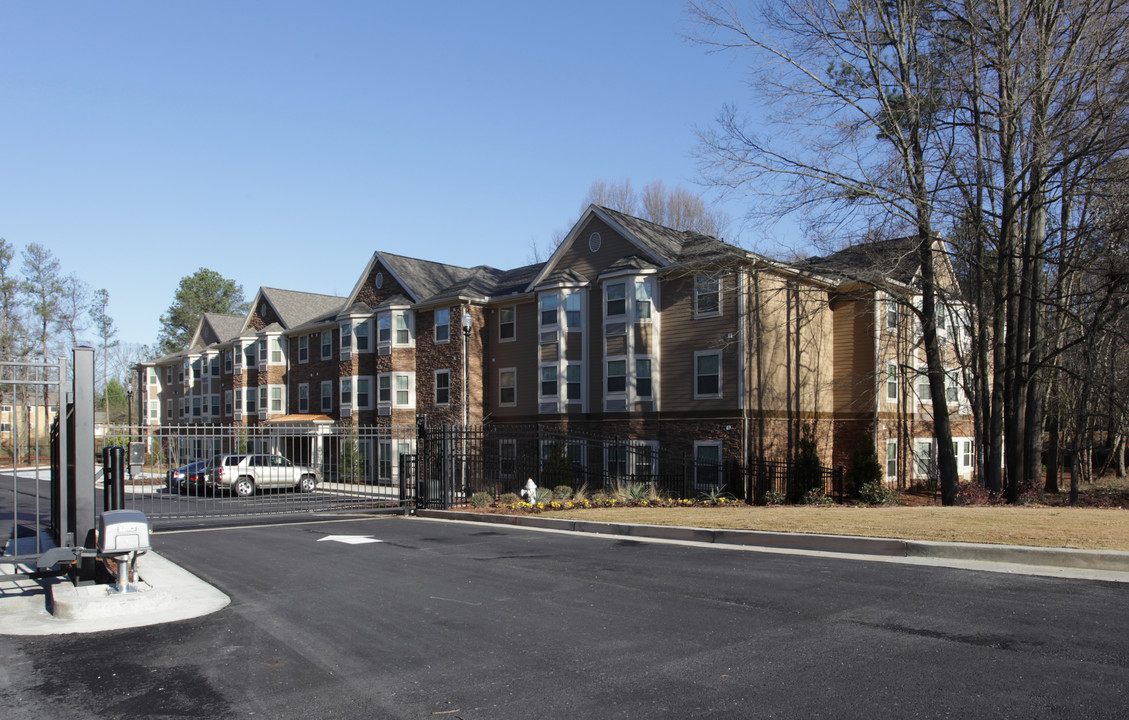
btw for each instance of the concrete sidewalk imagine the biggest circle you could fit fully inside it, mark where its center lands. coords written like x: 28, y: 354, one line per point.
x: 163, y: 593
x: 1055, y: 562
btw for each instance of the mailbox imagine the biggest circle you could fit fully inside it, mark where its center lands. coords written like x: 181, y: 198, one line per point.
x: 122, y: 531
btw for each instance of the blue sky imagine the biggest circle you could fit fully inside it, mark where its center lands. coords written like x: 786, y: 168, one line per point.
x: 281, y: 143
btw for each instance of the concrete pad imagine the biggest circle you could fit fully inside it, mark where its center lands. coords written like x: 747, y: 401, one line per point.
x: 164, y: 592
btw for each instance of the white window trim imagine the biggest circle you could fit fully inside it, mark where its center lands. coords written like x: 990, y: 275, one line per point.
x: 435, y: 387
x: 891, y: 381
x: 322, y: 395
x: 409, y: 321
x: 306, y: 387
x: 371, y: 380
x: 576, y: 364
x: 634, y: 384
x: 720, y: 368
x: 556, y: 324
x: 540, y: 368
x: 891, y: 457
x: 513, y: 371
x: 618, y: 394
x: 392, y: 402
x: 324, y: 344
x: 306, y: 359
x: 435, y: 333
x: 720, y: 298
x: 513, y: 322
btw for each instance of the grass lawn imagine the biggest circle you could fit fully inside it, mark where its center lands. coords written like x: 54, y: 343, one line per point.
x: 1086, y: 528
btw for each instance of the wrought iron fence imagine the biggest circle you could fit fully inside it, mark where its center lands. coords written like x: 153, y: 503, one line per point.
x: 500, y: 459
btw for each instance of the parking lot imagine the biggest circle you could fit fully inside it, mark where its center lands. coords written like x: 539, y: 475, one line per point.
x: 408, y: 618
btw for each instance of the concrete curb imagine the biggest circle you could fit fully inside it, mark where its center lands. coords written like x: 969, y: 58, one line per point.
x: 165, y: 592
x: 1111, y: 561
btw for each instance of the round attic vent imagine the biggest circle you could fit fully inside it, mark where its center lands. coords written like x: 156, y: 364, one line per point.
x: 594, y: 242
x: 379, y: 280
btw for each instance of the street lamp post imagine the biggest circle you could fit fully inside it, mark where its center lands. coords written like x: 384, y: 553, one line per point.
x: 129, y: 423
x: 468, y: 323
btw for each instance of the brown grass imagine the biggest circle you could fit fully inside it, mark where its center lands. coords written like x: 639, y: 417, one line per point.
x: 1086, y: 528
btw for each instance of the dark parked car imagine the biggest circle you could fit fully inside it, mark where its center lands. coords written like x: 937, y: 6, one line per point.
x: 187, y: 477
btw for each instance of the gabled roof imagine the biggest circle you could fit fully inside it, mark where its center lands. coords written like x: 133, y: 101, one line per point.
x: 876, y: 262
x: 223, y: 326
x: 659, y: 246
x: 295, y: 308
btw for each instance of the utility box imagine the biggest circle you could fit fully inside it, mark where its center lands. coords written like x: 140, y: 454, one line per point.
x: 122, y: 531
x: 136, y: 457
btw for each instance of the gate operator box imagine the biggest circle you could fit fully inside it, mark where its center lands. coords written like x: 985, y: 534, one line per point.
x: 122, y: 531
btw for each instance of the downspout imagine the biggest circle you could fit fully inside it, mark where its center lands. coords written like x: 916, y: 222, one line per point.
x: 742, y: 369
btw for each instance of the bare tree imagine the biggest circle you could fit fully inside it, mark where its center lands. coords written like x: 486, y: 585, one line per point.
x: 42, y: 288
x: 74, y: 306
x: 853, y: 87
x: 104, y: 326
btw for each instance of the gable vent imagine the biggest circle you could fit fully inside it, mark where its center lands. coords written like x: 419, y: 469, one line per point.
x: 594, y: 242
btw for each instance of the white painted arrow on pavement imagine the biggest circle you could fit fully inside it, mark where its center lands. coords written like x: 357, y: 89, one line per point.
x: 350, y: 539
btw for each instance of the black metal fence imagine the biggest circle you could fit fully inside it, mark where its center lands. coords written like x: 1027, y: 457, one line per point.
x: 455, y: 463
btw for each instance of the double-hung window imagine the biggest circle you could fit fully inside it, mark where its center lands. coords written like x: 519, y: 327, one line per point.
x: 707, y: 463
x: 403, y: 323
x: 573, y: 372
x: 442, y: 387
x: 364, y: 393
x: 643, y: 301
x: 346, y: 337
x: 549, y: 310
x: 275, y: 399
x: 616, y: 299
x: 227, y: 406
x: 442, y: 325
x: 227, y: 359
x: 643, y: 387
x: 548, y: 381
x: 361, y: 333
x: 891, y: 381
x: 707, y: 374
x: 507, y: 324
x: 304, y: 349
x: 403, y: 396
x: 251, y: 407
x: 384, y: 328
x: 326, y: 344
x: 572, y: 311
x: 276, y: 351
x: 346, y: 392
x: 617, y: 376
x: 707, y: 295
x: 891, y: 458
x: 507, y: 386
x: 304, y: 398
x: 384, y: 389
x: 326, y: 396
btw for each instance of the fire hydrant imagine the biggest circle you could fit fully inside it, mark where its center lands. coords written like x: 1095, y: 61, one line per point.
x: 529, y: 492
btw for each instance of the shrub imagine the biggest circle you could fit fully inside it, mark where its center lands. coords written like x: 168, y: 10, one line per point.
x: 864, y: 469
x: 805, y: 466
x: 481, y: 499
x: 775, y: 497
x: 581, y: 493
x: 877, y: 492
x: 509, y: 499
x: 815, y: 496
x: 544, y: 496
x: 562, y: 492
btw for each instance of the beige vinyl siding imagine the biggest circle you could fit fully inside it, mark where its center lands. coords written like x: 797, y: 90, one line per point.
x: 854, y: 382
x: 682, y: 335
x: 521, y: 354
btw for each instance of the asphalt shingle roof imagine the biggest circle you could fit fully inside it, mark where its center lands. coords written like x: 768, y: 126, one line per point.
x: 873, y: 262
x: 298, y: 308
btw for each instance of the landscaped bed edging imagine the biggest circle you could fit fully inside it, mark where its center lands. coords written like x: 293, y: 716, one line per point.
x: 754, y: 538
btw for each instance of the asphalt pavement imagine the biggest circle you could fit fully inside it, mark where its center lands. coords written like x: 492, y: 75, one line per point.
x: 413, y: 618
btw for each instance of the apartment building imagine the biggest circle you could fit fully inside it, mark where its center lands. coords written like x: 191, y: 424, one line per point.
x: 673, y: 341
